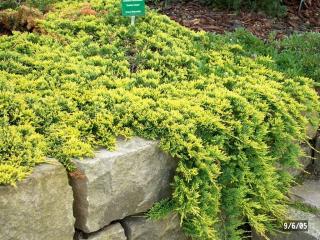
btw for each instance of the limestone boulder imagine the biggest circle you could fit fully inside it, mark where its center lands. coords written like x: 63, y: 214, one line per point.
x: 120, y: 183
x: 39, y: 208
x: 141, y: 228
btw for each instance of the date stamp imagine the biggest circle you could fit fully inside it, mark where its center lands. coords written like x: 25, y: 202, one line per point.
x: 295, y: 225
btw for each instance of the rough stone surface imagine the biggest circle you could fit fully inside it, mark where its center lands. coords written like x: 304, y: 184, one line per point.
x: 317, y: 155
x: 39, y: 208
x: 117, y: 184
x: 140, y: 228
x: 112, y: 232
x: 313, y: 232
x: 308, y: 192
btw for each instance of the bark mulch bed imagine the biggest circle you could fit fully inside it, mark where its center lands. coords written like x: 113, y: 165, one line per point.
x: 196, y: 16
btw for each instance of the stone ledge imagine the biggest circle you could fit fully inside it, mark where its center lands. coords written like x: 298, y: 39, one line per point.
x: 114, y: 185
x: 308, y: 193
x: 39, y: 208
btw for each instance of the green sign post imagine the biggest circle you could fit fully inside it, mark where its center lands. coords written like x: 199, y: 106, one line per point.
x: 133, y: 8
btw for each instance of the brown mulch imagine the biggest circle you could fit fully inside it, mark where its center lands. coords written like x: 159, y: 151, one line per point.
x: 196, y: 16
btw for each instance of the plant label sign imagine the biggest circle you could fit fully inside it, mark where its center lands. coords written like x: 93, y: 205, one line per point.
x: 132, y: 8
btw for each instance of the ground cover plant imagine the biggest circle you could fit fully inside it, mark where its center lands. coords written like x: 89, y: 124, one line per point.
x: 296, y: 55
x: 232, y: 122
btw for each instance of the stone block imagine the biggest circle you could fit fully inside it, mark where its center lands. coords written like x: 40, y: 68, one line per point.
x: 39, y: 208
x: 117, y: 184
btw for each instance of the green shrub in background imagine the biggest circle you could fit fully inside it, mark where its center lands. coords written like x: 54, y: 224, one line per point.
x: 229, y: 119
x: 299, y: 55
x: 42, y: 5
x: 5, y: 4
x: 296, y: 55
x: 272, y: 7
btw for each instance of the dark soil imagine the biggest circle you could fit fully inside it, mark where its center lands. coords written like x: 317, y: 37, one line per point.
x: 196, y: 16
x: 4, y: 31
